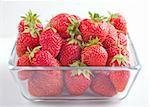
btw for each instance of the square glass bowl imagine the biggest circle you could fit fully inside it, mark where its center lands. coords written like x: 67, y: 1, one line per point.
x: 48, y: 83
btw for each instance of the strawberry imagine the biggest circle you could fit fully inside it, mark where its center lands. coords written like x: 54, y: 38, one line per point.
x: 119, y: 22
x: 24, y: 61
x: 50, y: 40
x: 102, y: 85
x: 65, y: 24
x: 25, y: 40
x: 94, y: 27
x: 42, y: 58
x: 77, y: 81
x: 29, y: 30
x: 94, y: 54
x: 111, y: 38
x: 48, y: 82
x: 30, y: 22
x: 120, y: 77
x: 114, y: 51
x: 122, y: 40
x: 70, y: 52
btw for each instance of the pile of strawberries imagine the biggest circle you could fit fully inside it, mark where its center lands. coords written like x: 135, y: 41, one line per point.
x: 68, y: 40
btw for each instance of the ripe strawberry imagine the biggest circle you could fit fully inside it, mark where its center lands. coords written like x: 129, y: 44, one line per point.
x: 42, y: 58
x: 30, y: 22
x: 111, y: 38
x: 48, y: 82
x: 94, y: 55
x: 120, y: 77
x: 65, y: 24
x: 122, y: 40
x: 114, y: 51
x: 94, y: 27
x: 24, y: 61
x: 29, y: 30
x: 50, y: 40
x: 77, y: 81
x: 25, y: 40
x: 70, y: 52
x: 119, y: 22
x: 102, y: 85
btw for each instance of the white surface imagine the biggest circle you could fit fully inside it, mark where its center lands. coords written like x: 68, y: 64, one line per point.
x: 137, y: 15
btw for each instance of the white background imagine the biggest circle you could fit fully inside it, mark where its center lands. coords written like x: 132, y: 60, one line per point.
x: 137, y: 13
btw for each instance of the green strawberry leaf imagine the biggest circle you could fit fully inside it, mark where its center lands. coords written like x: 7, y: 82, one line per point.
x: 31, y: 20
x: 95, y: 17
x: 121, y: 59
x: 92, y: 42
x: 86, y: 73
x: 73, y: 27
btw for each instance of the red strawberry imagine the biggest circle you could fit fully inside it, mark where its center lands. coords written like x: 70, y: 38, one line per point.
x: 94, y: 55
x: 114, y: 51
x: 25, y: 40
x: 102, y: 85
x: 30, y: 29
x: 122, y: 40
x: 119, y: 22
x: 111, y: 38
x: 120, y: 58
x: 28, y: 22
x: 94, y: 27
x: 120, y: 77
x: 51, y: 41
x: 77, y: 81
x: 43, y: 58
x: 69, y: 53
x: 45, y: 83
x: 24, y: 61
x: 65, y: 24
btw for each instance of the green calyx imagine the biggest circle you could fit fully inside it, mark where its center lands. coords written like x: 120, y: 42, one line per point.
x: 113, y: 15
x: 31, y: 20
x: 73, y: 27
x: 34, y: 32
x: 92, y: 42
x: 121, y: 59
x: 49, y: 26
x: 96, y: 17
x: 77, y: 64
x: 73, y: 40
x: 86, y: 73
x: 32, y: 52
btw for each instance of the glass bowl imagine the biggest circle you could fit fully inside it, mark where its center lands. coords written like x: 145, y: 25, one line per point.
x: 37, y: 83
